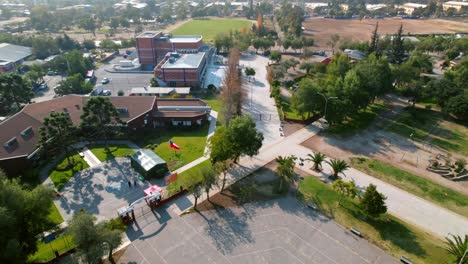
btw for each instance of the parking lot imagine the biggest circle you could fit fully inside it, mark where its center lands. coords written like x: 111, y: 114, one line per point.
x: 47, y: 94
x: 277, y: 231
x: 121, y: 81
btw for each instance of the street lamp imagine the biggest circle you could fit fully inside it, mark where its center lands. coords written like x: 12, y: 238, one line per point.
x: 326, y: 103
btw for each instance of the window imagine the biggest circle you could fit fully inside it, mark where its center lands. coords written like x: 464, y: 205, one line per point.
x: 27, y: 132
x: 10, y: 143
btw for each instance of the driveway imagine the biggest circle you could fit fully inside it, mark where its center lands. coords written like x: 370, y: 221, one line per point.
x: 277, y: 231
x: 258, y: 102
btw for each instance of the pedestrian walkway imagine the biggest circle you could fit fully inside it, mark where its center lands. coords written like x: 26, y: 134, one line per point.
x: 402, y: 204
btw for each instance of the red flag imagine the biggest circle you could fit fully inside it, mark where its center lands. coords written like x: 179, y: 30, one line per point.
x: 173, y: 145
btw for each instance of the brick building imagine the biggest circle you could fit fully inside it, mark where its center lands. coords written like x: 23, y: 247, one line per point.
x: 20, y: 132
x: 181, y: 70
x: 152, y: 46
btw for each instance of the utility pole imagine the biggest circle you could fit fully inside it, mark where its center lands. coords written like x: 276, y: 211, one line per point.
x: 326, y: 103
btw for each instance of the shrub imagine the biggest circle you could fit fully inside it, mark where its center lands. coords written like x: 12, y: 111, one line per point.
x: 120, y: 93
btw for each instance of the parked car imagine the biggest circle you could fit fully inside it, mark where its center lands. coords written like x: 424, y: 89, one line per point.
x: 43, y: 86
x: 105, y: 81
x: 52, y: 73
x: 106, y: 93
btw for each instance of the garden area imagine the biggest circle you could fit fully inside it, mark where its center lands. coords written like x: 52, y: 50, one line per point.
x: 63, y: 171
x: 414, y: 184
x: 388, y: 232
x: 192, y: 142
x: 211, y: 27
x: 113, y: 151
x: 431, y: 126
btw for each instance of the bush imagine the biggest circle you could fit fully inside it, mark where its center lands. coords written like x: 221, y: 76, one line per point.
x: 116, y: 224
x: 120, y: 93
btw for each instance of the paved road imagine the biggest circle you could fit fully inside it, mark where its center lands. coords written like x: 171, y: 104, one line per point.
x: 278, y: 231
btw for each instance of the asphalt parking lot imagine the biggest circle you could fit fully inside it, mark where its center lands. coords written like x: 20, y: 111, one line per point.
x: 121, y: 81
x: 277, y: 231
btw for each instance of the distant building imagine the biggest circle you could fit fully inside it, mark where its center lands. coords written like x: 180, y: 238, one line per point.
x: 152, y: 46
x: 20, y: 132
x: 12, y: 56
x: 410, y: 7
x: 182, y: 70
x: 355, y: 54
x: 160, y: 91
x: 454, y: 4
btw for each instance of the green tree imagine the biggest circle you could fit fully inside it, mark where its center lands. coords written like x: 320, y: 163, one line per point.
x: 114, y: 23
x: 223, y: 167
x: 306, y: 100
x: 196, y: 192
x: 338, y: 166
x: 44, y: 47
x: 74, y: 84
x: 285, y: 170
x: 334, y: 39
x: 210, y: 179
x: 373, y: 202
x: 249, y: 71
x: 66, y: 43
x: 317, y: 158
x: 347, y: 189
x: 275, y: 56
x: 88, y: 24
x: 89, y: 44
x: 458, y: 106
x: 397, y: 51
x: 457, y: 247
x: 374, y: 44
x: 24, y: 215
x: 76, y: 63
x: 92, y: 239
x: 58, y: 131
x: 99, y: 117
x: 13, y: 89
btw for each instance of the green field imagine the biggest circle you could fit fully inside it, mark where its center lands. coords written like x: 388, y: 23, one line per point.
x: 189, y: 177
x: 388, y: 232
x: 62, y: 173
x: 429, y: 125
x: 112, y: 152
x: 45, y: 252
x: 191, y: 140
x: 289, y: 111
x: 54, y: 215
x: 414, y: 184
x: 209, y: 28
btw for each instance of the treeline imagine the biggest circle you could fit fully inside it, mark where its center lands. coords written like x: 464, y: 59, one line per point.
x: 290, y: 19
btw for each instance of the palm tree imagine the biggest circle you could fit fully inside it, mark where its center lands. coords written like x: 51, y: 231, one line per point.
x: 338, y: 166
x: 285, y: 169
x: 457, y: 247
x: 317, y: 158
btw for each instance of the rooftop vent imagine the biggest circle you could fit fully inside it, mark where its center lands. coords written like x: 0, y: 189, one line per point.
x: 122, y: 110
x: 10, y: 143
x: 27, y: 132
x: 171, y: 60
x: 65, y: 110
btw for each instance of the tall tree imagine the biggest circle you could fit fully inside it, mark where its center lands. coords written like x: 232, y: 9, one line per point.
x: 457, y: 247
x: 58, y: 131
x: 232, y: 93
x: 196, y: 192
x: 374, y: 44
x: 74, y: 84
x: 92, y: 239
x: 338, y: 166
x: 223, y: 167
x: 99, y: 117
x: 13, y: 89
x: 334, y: 39
x: 397, y: 51
x: 285, y: 170
x: 347, y: 189
x: 373, y: 202
x: 306, y: 99
x: 24, y: 215
x: 210, y: 179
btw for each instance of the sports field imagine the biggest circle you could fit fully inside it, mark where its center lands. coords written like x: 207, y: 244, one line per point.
x: 209, y: 28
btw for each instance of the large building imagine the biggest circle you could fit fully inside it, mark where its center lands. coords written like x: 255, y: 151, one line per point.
x: 153, y: 46
x: 457, y: 5
x: 12, y: 56
x: 181, y: 70
x: 20, y: 132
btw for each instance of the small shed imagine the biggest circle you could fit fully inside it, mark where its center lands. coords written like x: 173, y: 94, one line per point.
x: 148, y: 164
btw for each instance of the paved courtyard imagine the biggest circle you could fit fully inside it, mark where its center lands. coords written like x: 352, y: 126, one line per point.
x: 102, y: 189
x: 278, y: 231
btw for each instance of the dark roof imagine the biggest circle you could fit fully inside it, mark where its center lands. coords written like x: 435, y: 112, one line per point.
x: 181, y: 102
x: 170, y: 114
x: 33, y: 115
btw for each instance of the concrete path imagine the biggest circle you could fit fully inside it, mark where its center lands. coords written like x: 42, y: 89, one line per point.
x: 89, y: 157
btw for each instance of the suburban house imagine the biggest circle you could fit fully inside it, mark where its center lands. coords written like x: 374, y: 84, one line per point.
x: 12, y: 56
x: 152, y: 46
x: 20, y: 132
x: 181, y: 70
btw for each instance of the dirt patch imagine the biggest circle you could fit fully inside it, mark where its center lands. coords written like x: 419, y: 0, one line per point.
x: 289, y: 128
x: 321, y: 29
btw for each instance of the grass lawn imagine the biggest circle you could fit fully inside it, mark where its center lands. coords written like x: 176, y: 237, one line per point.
x: 189, y: 177
x: 414, y: 184
x: 120, y: 150
x: 357, y: 121
x: 214, y: 101
x: 289, y: 111
x: 62, y: 173
x: 209, y: 28
x: 191, y: 140
x: 54, y: 215
x: 429, y: 125
x: 45, y: 252
x: 388, y: 232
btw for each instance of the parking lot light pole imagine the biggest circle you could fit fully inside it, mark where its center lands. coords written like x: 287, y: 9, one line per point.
x: 326, y: 103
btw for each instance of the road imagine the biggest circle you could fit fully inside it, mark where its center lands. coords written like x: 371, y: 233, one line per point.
x: 48, y: 94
